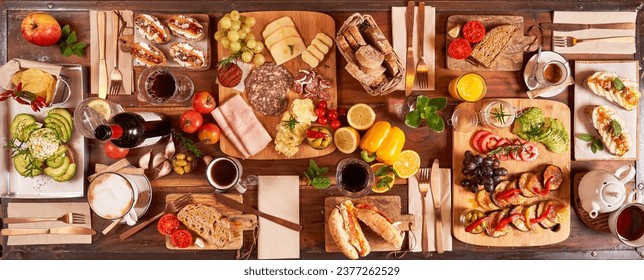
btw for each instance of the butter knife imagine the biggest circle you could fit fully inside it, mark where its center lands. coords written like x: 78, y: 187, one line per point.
x: 578, y: 26
x: 435, y: 184
x: 102, y: 65
x: 410, y: 66
x: 71, y: 230
x: 234, y: 204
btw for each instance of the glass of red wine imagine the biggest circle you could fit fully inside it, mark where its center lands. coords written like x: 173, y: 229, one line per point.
x: 354, y: 177
x: 160, y: 85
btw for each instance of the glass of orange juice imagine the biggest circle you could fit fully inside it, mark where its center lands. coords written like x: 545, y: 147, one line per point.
x: 470, y: 87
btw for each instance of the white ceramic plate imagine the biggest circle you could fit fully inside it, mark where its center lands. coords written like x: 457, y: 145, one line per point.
x: 545, y: 56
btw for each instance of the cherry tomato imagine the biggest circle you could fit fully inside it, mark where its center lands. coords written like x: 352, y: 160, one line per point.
x: 335, y: 124
x: 332, y: 114
x: 203, y: 102
x: 320, y: 112
x: 209, y: 133
x: 322, y: 104
x: 190, y: 121
x: 181, y: 238
x: 323, y: 121
x: 459, y: 49
x: 474, y: 31
x: 342, y: 111
x: 114, y: 151
x: 167, y: 224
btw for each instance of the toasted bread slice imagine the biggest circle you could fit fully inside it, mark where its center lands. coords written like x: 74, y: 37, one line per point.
x: 606, y: 84
x: 494, y: 43
x: 605, y: 120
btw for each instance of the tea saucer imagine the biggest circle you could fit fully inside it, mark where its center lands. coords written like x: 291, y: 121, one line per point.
x: 545, y: 56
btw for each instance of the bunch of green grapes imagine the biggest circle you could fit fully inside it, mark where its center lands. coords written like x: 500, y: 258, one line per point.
x: 234, y: 33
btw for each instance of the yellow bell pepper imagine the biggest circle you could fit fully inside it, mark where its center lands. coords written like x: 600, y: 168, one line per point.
x: 383, y: 141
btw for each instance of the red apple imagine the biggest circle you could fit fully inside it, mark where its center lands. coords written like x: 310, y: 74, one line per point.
x: 40, y: 29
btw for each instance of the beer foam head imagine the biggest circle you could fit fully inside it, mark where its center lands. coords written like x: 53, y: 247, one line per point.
x: 110, y: 196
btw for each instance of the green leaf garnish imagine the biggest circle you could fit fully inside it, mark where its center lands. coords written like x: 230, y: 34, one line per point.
x: 68, y: 45
x: 596, y: 146
x: 314, y: 176
x: 616, y: 128
x: 66, y: 31
x: 413, y: 119
x: 290, y: 123
x: 439, y: 103
x: 382, y: 171
x: 585, y: 137
x: 427, y: 109
x: 618, y: 84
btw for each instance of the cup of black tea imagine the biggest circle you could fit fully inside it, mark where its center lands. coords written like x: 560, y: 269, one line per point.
x: 354, y: 177
x: 159, y: 85
x: 225, y: 173
x: 627, y: 222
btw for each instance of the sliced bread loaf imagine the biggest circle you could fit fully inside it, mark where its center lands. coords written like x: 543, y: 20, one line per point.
x: 494, y: 43
x: 370, y: 57
x: 206, y: 221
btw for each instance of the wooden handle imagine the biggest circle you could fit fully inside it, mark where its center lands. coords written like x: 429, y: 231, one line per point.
x: 425, y: 237
x: 23, y: 231
x: 111, y: 226
x: 280, y: 221
x: 27, y: 220
x: 421, y: 29
x: 100, y: 18
x: 626, y: 39
x: 439, y: 232
x: 140, y: 226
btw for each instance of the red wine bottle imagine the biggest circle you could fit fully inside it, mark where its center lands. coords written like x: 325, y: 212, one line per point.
x: 134, y: 129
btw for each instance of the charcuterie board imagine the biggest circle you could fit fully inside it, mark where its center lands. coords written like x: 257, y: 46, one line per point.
x: 464, y: 199
x: 239, y: 222
x: 389, y: 205
x: 308, y: 25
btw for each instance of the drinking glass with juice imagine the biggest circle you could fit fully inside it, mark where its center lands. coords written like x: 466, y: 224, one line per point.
x: 470, y: 87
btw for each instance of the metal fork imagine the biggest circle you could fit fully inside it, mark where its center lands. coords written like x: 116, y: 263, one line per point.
x: 69, y: 218
x: 423, y: 187
x: 116, y: 79
x: 172, y: 207
x: 421, y: 67
x: 569, y: 41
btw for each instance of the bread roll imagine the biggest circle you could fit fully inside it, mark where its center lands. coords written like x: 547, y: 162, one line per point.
x: 151, y: 28
x: 360, y: 75
x: 346, y: 232
x: 374, y: 72
x: 186, y: 27
x: 370, y: 57
x: 145, y: 54
x: 381, y: 226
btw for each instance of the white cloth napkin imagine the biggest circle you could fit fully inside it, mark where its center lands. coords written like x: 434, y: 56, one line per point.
x: 8, y: 70
x: 125, y: 59
x: 415, y: 207
x: 46, y: 210
x: 596, y: 17
x: 280, y: 197
x: 399, y: 37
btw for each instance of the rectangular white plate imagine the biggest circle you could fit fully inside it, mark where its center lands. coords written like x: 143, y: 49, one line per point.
x: 584, y: 97
x: 42, y: 186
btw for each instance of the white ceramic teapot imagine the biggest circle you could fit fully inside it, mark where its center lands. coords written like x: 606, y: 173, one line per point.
x: 602, y: 192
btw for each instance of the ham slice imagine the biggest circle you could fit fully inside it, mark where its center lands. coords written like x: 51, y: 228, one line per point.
x: 240, y: 125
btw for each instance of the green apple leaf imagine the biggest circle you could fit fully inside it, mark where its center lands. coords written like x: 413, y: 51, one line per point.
x: 439, y: 102
x: 71, y: 39
x: 412, y: 119
x: 65, y: 31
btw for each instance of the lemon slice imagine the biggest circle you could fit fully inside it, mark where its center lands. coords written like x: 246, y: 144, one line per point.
x: 382, y: 189
x: 407, y: 164
x: 361, y: 116
x: 346, y: 139
x: 101, y: 107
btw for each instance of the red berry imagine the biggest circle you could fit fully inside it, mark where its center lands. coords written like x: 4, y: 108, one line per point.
x: 323, y: 121
x: 335, y: 124
x: 322, y: 104
x: 320, y: 112
x: 332, y: 114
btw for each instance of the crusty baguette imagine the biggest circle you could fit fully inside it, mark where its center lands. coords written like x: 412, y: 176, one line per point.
x: 391, y: 64
x: 346, y: 232
x: 603, y: 84
x: 352, y: 42
x: 360, y: 75
x: 602, y: 117
x: 374, y: 37
x: 357, y: 36
x: 340, y: 235
x: 374, y: 72
x: 381, y: 226
x: 206, y: 221
x: 346, y: 49
x: 370, y: 57
x: 494, y: 43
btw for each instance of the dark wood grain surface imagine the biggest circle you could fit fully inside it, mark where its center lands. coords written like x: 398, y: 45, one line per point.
x: 583, y: 242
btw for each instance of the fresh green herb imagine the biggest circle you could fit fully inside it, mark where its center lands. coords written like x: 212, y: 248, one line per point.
x: 17, y: 148
x: 507, y: 149
x: 427, y: 109
x: 315, y: 176
x: 187, y: 144
x: 68, y: 44
x: 291, y: 123
x: 616, y: 128
x: 618, y: 84
x: 499, y: 114
x: 291, y: 48
x: 595, y: 144
x: 382, y: 176
x: 586, y: 137
x: 228, y: 60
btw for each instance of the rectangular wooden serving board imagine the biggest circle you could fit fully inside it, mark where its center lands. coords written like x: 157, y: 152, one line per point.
x: 511, y: 59
x: 239, y: 222
x: 308, y: 24
x: 464, y: 199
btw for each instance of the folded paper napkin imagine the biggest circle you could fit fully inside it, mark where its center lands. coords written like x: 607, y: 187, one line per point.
x: 596, y: 17
x: 46, y: 210
x: 399, y: 36
x: 415, y: 207
x: 125, y: 59
x: 280, y: 197
x: 10, y: 68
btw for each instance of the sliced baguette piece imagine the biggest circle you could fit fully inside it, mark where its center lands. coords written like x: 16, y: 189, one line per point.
x: 310, y: 59
x: 381, y: 226
x: 391, y: 64
x: 374, y: 72
x: 346, y: 49
x: 324, y: 39
x: 603, y: 84
x: 370, y: 57
x: 357, y: 36
x: 352, y: 42
x: 359, y: 75
x: 602, y: 117
x: 374, y: 37
x: 494, y: 43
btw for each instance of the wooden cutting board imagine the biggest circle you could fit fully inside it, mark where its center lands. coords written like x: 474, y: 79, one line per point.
x: 511, y: 59
x: 239, y: 222
x: 464, y: 199
x: 308, y: 24
x: 390, y: 205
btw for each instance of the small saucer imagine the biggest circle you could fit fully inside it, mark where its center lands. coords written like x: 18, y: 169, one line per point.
x: 545, y: 56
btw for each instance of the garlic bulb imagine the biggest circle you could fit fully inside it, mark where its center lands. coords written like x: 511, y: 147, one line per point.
x: 158, y: 159
x: 144, y: 161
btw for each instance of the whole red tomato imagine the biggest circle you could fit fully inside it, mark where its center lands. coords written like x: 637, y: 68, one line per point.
x: 181, y: 238
x: 190, y: 121
x: 209, y: 133
x: 335, y: 124
x: 114, y: 151
x: 332, y: 114
x: 167, y: 224
x: 203, y: 102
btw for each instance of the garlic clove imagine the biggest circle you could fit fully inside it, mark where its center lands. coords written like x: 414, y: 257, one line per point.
x: 170, y: 149
x: 144, y: 161
x: 165, y: 169
x: 158, y: 159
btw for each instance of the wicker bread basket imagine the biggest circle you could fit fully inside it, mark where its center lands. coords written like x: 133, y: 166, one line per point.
x: 362, y: 22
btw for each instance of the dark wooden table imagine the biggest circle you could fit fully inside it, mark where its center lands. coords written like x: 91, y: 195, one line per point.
x: 583, y: 242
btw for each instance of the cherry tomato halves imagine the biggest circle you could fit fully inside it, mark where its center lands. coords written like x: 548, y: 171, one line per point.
x: 459, y: 49
x: 167, y: 224
x: 474, y: 31
x: 181, y: 238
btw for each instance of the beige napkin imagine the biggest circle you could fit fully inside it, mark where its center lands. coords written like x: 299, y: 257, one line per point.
x: 125, y: 59
x: 278, y: 196
x: 399, y: 38
x: 415, y: 207
x: 10, y: 68
x: 46, y: 210
x: 596, y: 17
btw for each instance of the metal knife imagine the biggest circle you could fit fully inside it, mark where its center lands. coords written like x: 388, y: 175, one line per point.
x: 411, y: 69
x: 73, y: 230
x: 578, y: 26
x: 102, y: 65
x: 435, y: 183
x: 234, y: 204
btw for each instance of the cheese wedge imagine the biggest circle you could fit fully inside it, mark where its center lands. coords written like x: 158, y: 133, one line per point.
x: 320, y: 45
x: 280, y: 35
x: 276, y: 25
x: 315, y: 52
x: 287, y: 49
x: 324, y: 39
x: 310, y: 59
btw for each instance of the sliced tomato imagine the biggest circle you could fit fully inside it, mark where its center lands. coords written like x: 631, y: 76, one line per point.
x: 167, y: 224
x: 529, y: 152
x: 459, y: 49
x: 476, y: 140
x: 181, y: 238
x: 474, y: 31
x: 489, y: 142
x: 502, y: 142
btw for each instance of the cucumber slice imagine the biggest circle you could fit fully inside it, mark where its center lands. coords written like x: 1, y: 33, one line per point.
x: 69, y: 174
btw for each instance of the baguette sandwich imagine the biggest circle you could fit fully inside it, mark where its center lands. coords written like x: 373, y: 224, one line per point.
x: 206, y: 221
x: 616, y: 89
x: 611, y: 128
x: 186, y: 27
x: 151, y: 28
x: 379, y: 223
x: 187, y: 55
x: 145, y: 54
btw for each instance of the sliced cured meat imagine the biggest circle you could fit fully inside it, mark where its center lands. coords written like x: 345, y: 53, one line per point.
x: 312, y: 85
x: 484, y: 201
x: 554, y: 172
x: 267, y: 88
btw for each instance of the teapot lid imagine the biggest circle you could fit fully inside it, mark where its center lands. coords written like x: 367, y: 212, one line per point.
x: 613, y: 194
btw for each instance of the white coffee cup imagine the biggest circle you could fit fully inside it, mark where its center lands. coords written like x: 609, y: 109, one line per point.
x: 552, y: 73
x: 112, y: 196
x: 627, y: 223
x: 225, y: 173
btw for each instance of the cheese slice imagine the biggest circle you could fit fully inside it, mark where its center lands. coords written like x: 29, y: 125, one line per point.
x: 315, y: 52
x: 324, y: 39
x: 279, y: 35
x: 310, y: 59
x: 276, y: 25
x: 287, y: 49
x: 320, y: 45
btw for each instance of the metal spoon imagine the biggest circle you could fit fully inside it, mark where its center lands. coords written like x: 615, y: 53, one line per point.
x: 532, y: 81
